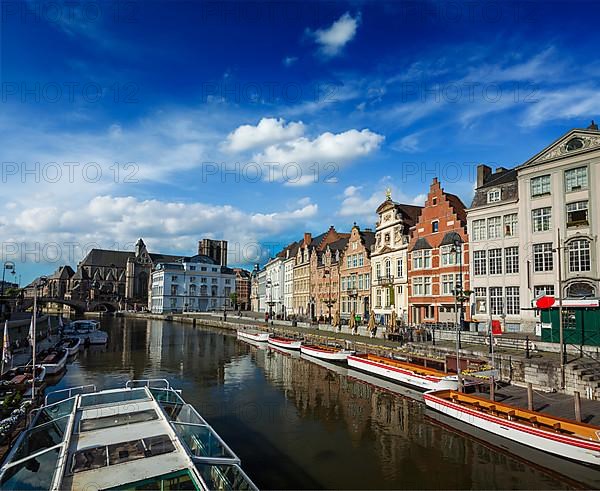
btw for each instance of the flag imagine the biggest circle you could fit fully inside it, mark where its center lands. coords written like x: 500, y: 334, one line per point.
x: 6, y: 354
x: 30, y: 335
x: 496, y: 328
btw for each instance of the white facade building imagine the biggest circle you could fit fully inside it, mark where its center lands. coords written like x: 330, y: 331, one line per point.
x: 274, y: 286
x: 195, y: 284
x: 288, y: 282
x: 514, y: 224
x: 389, y: 267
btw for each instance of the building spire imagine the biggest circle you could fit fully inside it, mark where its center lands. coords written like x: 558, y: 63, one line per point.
x: 388, y: 194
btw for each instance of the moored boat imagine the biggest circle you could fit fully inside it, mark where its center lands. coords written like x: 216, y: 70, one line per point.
x: 284, y: 342
x: 70, y: 344
x: 20, y: 377
x: 136, y: 437
x: 325, y: 352
x: 88, y: 331
x: 53, y: 360
x: 417, y: 376
x: 567, y: 438
x: 253, y: 335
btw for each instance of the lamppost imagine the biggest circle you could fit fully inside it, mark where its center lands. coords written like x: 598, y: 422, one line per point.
x: 270, y: 302
x: 10, y: 266
x: 563, y: 354
x: 459, y: 298
x: 330, y: 301
x: 41, y: 281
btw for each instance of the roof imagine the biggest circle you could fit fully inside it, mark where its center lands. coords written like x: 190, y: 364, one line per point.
x: 420, y: 244
x: 458, y: 205
x: 339, y: 244
x: 368, y: 238
x: 63, y: 273
x: 103, y: 257
x: 500, y: 177
x: 450, y: 238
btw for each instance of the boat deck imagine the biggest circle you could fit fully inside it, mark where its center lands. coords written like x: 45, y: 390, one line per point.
x: 553, y: 404
x: 523, y: 416
x: 418, y: 369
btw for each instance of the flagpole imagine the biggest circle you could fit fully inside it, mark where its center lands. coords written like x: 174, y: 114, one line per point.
x: 34, y: 321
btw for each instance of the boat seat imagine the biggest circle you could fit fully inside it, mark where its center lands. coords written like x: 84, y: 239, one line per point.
x: 533, y: 420
x: 492, y: 408
x: 510, y: 414
x: 556, y: 427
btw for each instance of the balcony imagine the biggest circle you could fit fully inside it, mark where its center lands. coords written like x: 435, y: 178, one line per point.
x: 385, y: 280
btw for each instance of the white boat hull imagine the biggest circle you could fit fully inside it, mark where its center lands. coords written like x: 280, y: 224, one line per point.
x: 54, y: 368
x: 73, y: 349
x: 585, y: 451
x: 285, y: 344
x: 94, y: 337
x: 261, y: 337
x: 341, y: 355
x: 404, y: 376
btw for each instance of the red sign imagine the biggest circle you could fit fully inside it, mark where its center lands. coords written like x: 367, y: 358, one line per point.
x: 544, y: 302
x: 496, y: 328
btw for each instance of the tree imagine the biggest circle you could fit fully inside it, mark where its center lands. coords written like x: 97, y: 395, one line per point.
x: 11, y: 292
x: 233, y: 298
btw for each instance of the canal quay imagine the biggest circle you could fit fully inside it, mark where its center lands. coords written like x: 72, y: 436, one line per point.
x: 300, y: 423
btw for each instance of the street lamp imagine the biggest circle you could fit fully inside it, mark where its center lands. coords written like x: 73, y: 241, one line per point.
x: 8, y: 265
x: 41, y: 281
x: 270, y: 302
x: 330, y: 302
x: 563, y: 353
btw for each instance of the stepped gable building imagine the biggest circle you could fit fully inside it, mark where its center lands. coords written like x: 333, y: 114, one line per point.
x: 514, y: 223
x: 389, y: 259
x: 439, y: 259
x: 355, y: 274
x: 308, y: 264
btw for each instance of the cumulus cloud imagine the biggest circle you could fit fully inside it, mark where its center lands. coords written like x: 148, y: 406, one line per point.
x: 267, y: 132
x: 355, y: 203
x: 332, y: 40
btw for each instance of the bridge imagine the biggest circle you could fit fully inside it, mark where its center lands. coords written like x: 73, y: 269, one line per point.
x: 80, y: 306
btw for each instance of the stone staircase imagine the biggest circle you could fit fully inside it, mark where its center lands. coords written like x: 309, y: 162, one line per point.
x: 583, y: 375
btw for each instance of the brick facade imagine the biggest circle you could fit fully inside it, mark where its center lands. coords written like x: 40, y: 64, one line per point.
x: 434, y: 266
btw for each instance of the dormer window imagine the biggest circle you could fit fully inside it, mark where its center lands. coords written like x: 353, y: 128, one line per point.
x: 493, y: 196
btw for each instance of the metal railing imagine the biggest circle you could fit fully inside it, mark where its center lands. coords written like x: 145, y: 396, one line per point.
x: 81, y: 389
x: 137, y: 383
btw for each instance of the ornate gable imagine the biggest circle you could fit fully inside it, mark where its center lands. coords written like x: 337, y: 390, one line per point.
x: 574, y: 142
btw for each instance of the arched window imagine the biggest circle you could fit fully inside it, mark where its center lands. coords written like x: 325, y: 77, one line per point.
x: 192, y: 289
x: 581, y: 289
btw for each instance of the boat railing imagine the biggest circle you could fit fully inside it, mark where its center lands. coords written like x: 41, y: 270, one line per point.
x: 59, y: 395
x: 150, y: 382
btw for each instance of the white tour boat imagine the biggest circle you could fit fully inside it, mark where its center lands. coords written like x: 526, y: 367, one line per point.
x: 88, y: 331
x: 567, y: 438
x: 325, y: 352
x: 422, y: 378
x: 53, y: 360
x: 137, y: 437
x: 253, y: 335
x: 284, y: 342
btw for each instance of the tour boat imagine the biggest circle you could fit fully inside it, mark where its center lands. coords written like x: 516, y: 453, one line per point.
x: 284, y: 342
x: 142, y: 436
x: 20, y: 377
x: 417, y: 376
x: 325, y: 352
x: 88, y: 331
x: 53, y: 360
x: 559, y: 436
x: 253, y: 335
x: 70, y: 344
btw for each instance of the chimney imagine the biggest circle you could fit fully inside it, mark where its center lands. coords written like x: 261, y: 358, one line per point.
x: 593, y: 126
x: 500, y: 170
x: 483, y: 174
x: 307, y: 238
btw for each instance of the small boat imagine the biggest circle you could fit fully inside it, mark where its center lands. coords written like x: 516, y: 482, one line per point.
x: 326, y: 352
x: 567, y: 438
x: 88, y: 331
x: 20, y: 377
x: 253, y: 335
x: 70, y: 344
x: 134, y: 437
x: 284, y: 342
x: 53, y: 360
x: 422, y: 378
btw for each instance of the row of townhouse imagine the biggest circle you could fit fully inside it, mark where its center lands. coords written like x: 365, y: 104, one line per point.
x: 446, y: 263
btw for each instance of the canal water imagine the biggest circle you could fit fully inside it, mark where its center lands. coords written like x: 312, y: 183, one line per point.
x: 298, y: 424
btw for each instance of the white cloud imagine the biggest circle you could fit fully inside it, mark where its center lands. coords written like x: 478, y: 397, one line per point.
x: 333, y: 39
x: 363, y: 206
x: 318, y: 159
x: 267, y: 132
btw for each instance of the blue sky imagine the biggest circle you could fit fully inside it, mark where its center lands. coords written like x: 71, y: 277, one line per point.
x: 255, y: 122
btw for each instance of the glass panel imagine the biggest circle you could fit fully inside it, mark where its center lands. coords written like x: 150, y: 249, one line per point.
x: 90, y: 458
x: 113, y: 397
x: 180, y: 480
x: 166, y: 395
x: 125, y: 452
x: 188, y: 414
x: 224, y: 477
x: 41, y: 437
x: 202, y: 441
x: 117, y: 420
x: 57, y: 410
x: 36, y: 473
x: 158, y: 445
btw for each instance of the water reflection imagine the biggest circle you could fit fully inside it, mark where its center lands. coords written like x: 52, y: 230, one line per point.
x: 297, y: 424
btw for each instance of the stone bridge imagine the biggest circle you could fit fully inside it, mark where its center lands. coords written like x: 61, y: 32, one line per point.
x: 80, y: 306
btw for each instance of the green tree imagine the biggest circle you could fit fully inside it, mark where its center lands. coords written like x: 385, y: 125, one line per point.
x: 233, y: 298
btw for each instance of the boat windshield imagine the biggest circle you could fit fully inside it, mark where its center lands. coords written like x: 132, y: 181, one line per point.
x: 175, y: 480
x: 33, y: 460
x: 225, y: 477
